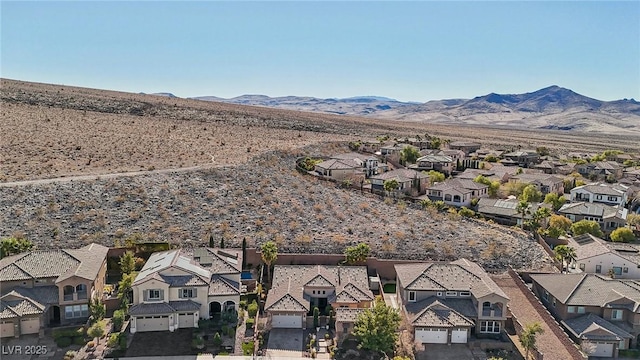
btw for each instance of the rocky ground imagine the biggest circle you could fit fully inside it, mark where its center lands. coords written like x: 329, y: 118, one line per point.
x: 264, y: 199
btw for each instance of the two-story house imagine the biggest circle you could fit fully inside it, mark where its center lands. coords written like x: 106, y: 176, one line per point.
x: 175, y: 289
x: 297, y: 289
x: 523, y: 158
x: 545, y: 183
x: 466, y: 146
x: 49, y: 288
x: 601, y: 170
x: 595, y: 309
x: 368, y: 163
x: 408, y: 181
x: 441, y: 163
x: 457, y: 192
x: 448, y: 302
x: 505, y: 211
x: 609, y: 217
x: 610, y: 194
x: 338, y: 169
x: 597, y: 256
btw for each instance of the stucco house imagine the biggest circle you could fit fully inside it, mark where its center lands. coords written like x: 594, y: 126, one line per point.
x: 594, y: 309
x: 368, y: 163
x: 503, y: 211
x: 466, y: 146
x: 597, y: 256
x: 338, y: 169
x: 610, y: 194
x: 408, y: 181
x: 609, y: 217
x: 448, y: 302
x: 175, y: 289
x: 441, y: 163
x: 49, y: 288
x: 523, y: 158
x: 297, y: 289
x: 457, y: 192
x: 496, y: 173
x: 600, y: 170
x: 545, y: 183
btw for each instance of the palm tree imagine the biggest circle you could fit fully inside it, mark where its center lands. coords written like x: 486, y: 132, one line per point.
x: 269, y: 254
x: 523, y: 208
x: 528, y: 337
x: 566, y: 254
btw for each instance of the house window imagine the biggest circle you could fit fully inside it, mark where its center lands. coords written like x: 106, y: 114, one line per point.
x: 490, y: 327
x: 456, y: 198
x: 580, y: 309
x: 553, y: 302
x: 571, y: 309
x: 465, y: 293
x: 616, y: 314
x: 323, y: 292
x: 582, y: 266
x: 545, y: 295
x: 412, y: 296
x: 452, y: 293
x: 447, y: 197
x: 625, y: 270
x: 598, y: 269
x: 314, y: 292
x: 188, y: 293
x: 76, y: 311
x: 617, y: 270
x: 153, y: 294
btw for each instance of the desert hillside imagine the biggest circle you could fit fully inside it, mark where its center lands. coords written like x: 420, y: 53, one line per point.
x: 51, y: 131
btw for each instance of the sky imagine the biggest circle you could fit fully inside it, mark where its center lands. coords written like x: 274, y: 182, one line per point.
x: 410, y: 51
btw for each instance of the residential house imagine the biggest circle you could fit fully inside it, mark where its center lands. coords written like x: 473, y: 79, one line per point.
x: 503, y: 211
x: 601, y: 170
x: 609, y: 217
x: 496, y: 173
x: 339, y: 169
x: 597, y: 256
x: 441, y: 163
x: 49, y: 288
x: 297, y: 289
x: 523, y: 158
x: 544, y: 182
x: 466, y: 146
x: 549, y: 166
x: 448, y: 302
x: 368, y: 163
x: 610, y: 194
x: 409, y: 181
x: 393, y: 149
x: 175, y: 289
x: 594, y: 309
x: 457, y: 192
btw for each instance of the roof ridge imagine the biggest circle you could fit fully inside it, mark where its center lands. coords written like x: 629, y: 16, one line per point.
x: 584, y: 276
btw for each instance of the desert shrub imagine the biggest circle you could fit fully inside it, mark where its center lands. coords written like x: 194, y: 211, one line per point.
x: 247, y: 348
x: 243, y: 304
x: 78, y: 340
x: 466, y: 212
x: 250, y: 322
x: 118, y: 320
x: 253, y: 309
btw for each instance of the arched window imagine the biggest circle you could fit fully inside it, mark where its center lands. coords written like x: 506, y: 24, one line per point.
x: 447, y: 197
x: 456, y: 198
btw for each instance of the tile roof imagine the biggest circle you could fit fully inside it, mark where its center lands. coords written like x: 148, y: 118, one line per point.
x: 544, y: 179
x: 460, y: 275
x: 594, y: 209
x: 603, y: 189
x: 183, y: 280
x: 402, y: 175
x: 338, y: 164
x: 435, y: 159
x: 590, y: 289
x: 348, y: 314
x: 164, y: 260
x: 185, y: 305
x: 505, y: 207
x: 151, y: 309
x: 437, y: 314
x: 587, y: 246
x: 353, y: 156
x: 18, y: 308
x: 289, y: 281
x: 462, y: 185
x: 222, y: 286
x: 43, y: 295
x: 593, y: 327
x: 61, y: 264
x: 219, y: 261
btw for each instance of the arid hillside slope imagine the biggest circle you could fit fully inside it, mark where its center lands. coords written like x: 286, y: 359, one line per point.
x: 52, y: 130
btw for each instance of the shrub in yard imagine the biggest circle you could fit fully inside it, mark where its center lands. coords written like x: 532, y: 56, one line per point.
x: 69, y: 333
x: 69, y: 355
x: 243, y: 304
x: 253, y: 309
x: 250, y: 322
x: 247, y: 348
x: 217, y: 340
x: 78, y: 340
x: 64, y: 341
x: 122, y: 339
x: 113, y: 340
x: 118, y: 320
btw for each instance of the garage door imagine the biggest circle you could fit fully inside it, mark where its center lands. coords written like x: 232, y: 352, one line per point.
x: 432, y: 336
x: 185, y: 320
x: 29, y: 326
x: 459, y: 336
x: 286, y: 321
x: 6, y: 329
x: 603, y: 350
x: 152, y: 323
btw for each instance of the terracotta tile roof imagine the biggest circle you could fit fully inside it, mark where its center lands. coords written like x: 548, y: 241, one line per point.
x: 460, y: 275
x: 593, y: 327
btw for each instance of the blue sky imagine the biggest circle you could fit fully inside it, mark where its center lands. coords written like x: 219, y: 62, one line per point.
x: 412, y: 51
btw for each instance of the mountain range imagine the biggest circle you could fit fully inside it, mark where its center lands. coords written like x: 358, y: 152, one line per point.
x: 553, y: 107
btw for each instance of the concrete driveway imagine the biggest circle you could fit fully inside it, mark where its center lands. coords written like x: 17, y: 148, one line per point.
x: 28, y: 347
x: 442, y: 351
x: 285, y: 343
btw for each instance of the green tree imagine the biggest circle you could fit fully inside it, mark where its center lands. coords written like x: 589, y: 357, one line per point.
x: 409, y: 154
x: 252, y: 309
x: 633, y: 219
x: 124, y: 290
x: 542, y: 151
x: 97, y: 309
x: 435, y: 176
x: 96, y: 331
x: 269, y: 255
x: 538, y: 217
x: 622, y: 234
x: 565, y: 254
x: 390, y: 185
x: 586, y: 227
x: 376, y: 328
x: 435, y: 143
x: 531, y: 194
x: 217, y: 340
x: 466, y: 212
x: 222, y: 242
x: 528, y: 337
x: 555, y: 200
x: 558, y: 226
x: 481, y: 179
x: 316, y: 317
x: 127, y: 262
x: 244, y: 253
x: 212, y: 242
x: 523, y: 208
x: 491, y: 158
x: 357, y: 254
x: 13, y: 245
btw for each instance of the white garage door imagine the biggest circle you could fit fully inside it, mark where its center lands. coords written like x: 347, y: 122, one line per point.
x: 432, y: 336
x: 185, y: 320
x: 459, y: 336
x: 603, y: 350
x: 152, y: 323
x: 286, y: 321
x: 6, y: 329
x: 29, y: 326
